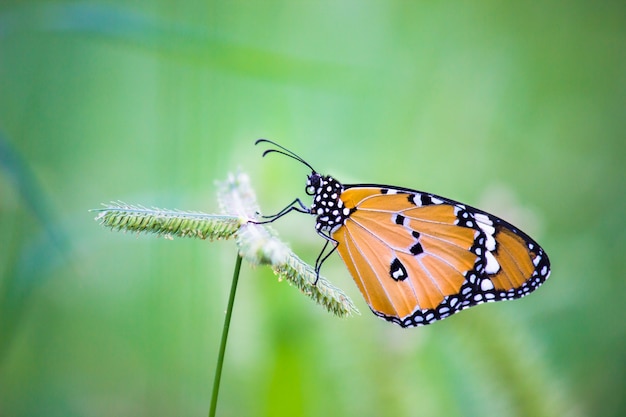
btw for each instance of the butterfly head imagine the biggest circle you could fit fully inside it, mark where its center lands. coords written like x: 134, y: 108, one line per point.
x: 313, y: 183
x: 326, y: 191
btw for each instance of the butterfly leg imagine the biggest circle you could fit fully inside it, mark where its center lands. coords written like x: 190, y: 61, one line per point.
x: 321, y: 258
x: 295, y: 205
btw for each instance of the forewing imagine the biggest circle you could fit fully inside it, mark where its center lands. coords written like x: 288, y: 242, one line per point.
x: 418, y: 257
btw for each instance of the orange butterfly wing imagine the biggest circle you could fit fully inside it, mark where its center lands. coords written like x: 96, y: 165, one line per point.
x: 418, y: 257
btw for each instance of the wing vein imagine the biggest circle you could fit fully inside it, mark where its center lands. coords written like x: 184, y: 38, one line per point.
x: 406, y: 251
x: 369, y: 264
x: 378, y: 238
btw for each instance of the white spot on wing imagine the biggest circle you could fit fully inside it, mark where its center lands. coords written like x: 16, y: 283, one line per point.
x: 481, y: 218
x: 492, y: 264
x: 486, y: 285
x: 486, y: 225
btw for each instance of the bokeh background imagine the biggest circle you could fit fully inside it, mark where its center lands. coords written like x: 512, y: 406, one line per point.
x: 517, y: 108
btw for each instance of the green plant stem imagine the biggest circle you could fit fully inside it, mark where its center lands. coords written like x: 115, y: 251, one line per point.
x: 220, y: 358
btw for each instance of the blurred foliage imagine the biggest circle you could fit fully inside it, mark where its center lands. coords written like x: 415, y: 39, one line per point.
x: 514, y: 107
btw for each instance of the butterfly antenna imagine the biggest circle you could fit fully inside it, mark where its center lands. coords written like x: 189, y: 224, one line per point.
x: 283, y: 151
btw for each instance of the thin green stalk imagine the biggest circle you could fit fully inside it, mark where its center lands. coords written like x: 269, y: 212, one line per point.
x: 220, y: 357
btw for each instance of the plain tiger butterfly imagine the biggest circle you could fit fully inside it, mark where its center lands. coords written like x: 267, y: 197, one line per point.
x: 418, y: 257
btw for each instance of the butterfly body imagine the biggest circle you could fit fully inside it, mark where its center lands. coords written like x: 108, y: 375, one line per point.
x: 417, y: 257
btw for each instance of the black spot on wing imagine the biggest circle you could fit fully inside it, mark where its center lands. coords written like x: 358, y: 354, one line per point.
x: 397, y: 271
x: 426, y: 200
x: 399, y: 219
x: 416, y: 249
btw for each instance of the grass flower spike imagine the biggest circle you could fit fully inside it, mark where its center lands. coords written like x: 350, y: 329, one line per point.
x: 257, y: 244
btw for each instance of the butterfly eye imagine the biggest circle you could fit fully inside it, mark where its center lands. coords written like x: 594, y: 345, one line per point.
x: 312, y: 183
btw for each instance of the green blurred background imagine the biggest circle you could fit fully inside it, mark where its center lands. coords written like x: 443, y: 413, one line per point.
x: 516, y: 108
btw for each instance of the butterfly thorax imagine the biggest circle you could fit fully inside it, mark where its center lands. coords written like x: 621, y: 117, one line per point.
x: 327, y: 205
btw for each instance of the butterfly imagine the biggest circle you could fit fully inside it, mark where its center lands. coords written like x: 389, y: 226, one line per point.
x: 417, y: 257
